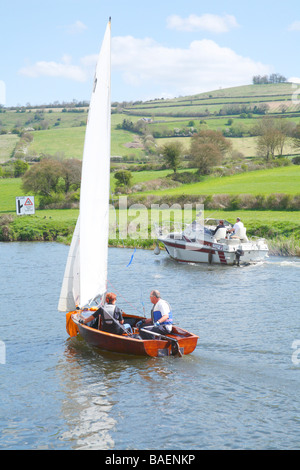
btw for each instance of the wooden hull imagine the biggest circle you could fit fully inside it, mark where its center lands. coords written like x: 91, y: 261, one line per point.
x: 126, y: 344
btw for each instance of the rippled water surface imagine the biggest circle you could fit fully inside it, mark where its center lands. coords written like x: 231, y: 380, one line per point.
x: 238, y: 390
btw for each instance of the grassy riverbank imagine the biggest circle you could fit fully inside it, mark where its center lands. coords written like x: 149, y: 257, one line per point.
x: 133, y: 228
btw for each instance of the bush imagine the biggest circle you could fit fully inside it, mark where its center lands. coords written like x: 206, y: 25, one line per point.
x: 279, y: 202
x: 6, y: 232
x: 234, y: 203
x: 30, y: 234
x: 124, y: 180
x: 185, y: 177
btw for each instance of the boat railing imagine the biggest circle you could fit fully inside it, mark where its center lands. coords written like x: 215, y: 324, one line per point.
x: 167, y: 227
x: 192, y: 232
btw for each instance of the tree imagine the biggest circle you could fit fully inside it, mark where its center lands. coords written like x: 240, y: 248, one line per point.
x: 123, y: 178
x: 268, y: 142
x: 265, y: 79
x: 20, y: 167
x: 52, y: 176
x: 286, y: 128
x: 171, y: 153
x: 42, y: 178
x: 208, y: 149
x: 296, y: 137
x: 272, y: 137
x: 71, y: 174
x: 205, y: 156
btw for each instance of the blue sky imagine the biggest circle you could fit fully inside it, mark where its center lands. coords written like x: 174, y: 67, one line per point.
x: 160, y: 48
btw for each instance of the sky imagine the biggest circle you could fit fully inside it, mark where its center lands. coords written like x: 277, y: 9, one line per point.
x: 160, y: 48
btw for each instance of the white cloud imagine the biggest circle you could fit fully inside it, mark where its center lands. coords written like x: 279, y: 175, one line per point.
x: 294, y: 80
x: 203, y: 66
x: 206, y: 22
x: 295, y: 26
x: 89, y: 60
x: 76, y: 28
x: 63, y: 69
x: 154, y: 70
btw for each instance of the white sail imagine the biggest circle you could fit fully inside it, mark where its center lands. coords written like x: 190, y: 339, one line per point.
x: 69, y: 295
x: 94, y: 195
x: 94, y: 192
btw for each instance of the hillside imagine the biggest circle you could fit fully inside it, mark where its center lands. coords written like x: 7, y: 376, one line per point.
x: 234, y: 111
x: 274, y: 95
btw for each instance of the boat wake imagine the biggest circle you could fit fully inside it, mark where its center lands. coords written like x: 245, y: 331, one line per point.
x: 291, y: 263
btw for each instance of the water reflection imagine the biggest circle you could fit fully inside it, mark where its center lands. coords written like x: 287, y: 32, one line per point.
x: 87, y: 404
x: 90, y: 379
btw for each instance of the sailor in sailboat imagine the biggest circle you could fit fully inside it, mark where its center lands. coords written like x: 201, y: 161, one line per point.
x: 161, y: 317
x: 110, y: 317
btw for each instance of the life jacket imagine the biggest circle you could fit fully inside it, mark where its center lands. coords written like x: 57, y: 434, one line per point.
x: 108, y: 312
x: 107, y: 323
x: 156, y: 315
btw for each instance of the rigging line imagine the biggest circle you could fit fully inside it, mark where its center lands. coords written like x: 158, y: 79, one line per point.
x: 119, y: 294
x: 131, y: 259
x: 112, y: 200
x: 142, y: 302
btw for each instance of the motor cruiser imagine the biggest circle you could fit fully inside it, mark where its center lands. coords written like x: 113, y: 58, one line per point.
x: 197, y: 243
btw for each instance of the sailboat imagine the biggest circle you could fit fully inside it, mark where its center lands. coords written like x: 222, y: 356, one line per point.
x: 84, y: 284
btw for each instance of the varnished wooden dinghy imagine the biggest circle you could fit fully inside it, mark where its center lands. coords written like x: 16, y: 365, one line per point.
x: 179, y: 342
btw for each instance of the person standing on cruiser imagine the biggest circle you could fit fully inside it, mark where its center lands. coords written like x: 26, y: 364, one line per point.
x: 161, y: 317
x: 236, y: 228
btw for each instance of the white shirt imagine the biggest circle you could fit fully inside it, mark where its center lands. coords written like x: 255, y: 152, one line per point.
x: 237, y: 227
x: 162, y: 306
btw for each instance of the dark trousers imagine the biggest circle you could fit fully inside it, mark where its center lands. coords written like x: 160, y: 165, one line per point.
x: 162, y: 330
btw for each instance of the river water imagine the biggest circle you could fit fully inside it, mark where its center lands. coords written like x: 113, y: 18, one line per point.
x: 238, y: 390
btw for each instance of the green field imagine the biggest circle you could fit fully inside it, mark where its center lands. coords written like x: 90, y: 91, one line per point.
x: 284, y: 180
x: 246, y: 145
x: 69, y: 143
x: 7, y: 145
x: 276, y: 180
x: 66, y: 141
x: 9, y: 189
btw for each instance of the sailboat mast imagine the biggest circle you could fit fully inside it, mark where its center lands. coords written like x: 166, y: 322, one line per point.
x: 94, y: 193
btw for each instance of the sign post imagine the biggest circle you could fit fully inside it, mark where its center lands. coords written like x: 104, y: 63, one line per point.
x: 25, y: 205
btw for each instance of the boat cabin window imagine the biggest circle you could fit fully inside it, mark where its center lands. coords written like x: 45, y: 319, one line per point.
x: 213, y: 223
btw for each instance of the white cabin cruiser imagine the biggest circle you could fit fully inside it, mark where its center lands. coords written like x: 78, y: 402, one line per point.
x: 198, y: 244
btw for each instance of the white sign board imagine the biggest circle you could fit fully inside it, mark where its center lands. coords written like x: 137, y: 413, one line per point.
x: 25, y: 205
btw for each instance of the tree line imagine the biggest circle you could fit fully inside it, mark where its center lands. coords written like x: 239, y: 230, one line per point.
x: 266, y: 79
